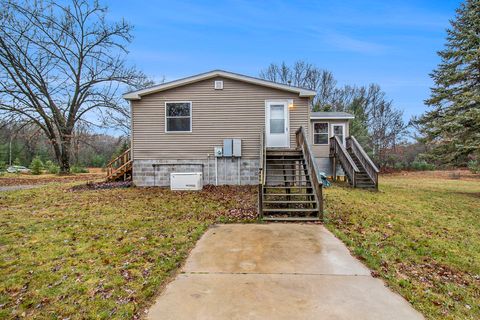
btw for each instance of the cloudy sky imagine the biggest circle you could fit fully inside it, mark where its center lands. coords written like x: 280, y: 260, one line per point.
x: 392, y: 43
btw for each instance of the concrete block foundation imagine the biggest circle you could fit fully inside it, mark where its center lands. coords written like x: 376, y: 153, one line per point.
x: 229, y: 171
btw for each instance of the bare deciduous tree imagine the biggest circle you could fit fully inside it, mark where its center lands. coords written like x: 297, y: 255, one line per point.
x: 59, y: 64
x: 304, y: 75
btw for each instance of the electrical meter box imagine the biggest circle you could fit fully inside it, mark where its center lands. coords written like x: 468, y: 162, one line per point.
x: 218, y: 152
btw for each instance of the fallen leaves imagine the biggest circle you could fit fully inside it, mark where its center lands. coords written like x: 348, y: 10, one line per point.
x: 102, y: 249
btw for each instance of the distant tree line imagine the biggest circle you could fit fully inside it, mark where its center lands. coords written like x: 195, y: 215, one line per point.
x: 21, y: 143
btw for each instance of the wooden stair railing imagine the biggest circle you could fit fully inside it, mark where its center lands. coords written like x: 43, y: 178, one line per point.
x: 262, y: 173
x: 339, y: 153
x: 119, y: 167
x: 366, y: 162
x: 304, y: 145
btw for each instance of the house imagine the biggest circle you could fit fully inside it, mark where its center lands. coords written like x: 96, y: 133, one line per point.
x: 237, y: 129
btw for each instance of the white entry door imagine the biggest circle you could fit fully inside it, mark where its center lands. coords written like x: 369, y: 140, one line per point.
x: 276, y: 126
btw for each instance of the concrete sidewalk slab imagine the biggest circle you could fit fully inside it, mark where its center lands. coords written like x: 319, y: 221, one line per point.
x: 276, y: 271
x: 255, y: 296
x: 272, y: 248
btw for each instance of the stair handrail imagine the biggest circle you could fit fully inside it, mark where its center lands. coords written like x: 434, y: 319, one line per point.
x: 338, y: 150
x: 304, y: 144
x: 364, y: 159
x: 118, y: 162
x: 262, y: 172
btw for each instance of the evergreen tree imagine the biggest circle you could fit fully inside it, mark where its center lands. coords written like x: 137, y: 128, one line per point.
x: 36, y: 166
x: 453, y: 124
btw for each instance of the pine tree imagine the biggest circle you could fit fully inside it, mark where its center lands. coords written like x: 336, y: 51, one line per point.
x: 453, y: 124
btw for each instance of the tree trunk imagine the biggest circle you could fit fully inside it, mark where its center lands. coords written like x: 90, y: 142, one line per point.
x: 61, y: 147
x: 64, y: 160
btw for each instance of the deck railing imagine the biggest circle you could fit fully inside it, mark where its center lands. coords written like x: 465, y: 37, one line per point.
x: 364, y: 159
x: 339, y: 153
x: 262, y: 173
x: 304, y: 145
x: 120, y: 163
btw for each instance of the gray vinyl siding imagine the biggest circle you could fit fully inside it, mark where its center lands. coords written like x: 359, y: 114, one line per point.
x: 323, y: 151
x: 237, y: 111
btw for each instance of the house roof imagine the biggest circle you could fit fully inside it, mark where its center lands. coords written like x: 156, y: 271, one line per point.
x: 137, y: 95
x: 331, y: 115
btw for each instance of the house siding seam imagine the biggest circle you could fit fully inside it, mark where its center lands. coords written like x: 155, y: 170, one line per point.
x: 237, y: 111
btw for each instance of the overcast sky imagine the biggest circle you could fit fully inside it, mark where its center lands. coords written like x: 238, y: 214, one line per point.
x: 392, y: 43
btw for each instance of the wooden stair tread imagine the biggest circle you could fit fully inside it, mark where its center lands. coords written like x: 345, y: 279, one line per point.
x: 290, y: 210
x: 288, y: 194
x: 289, y: 201
x: 291, y: 219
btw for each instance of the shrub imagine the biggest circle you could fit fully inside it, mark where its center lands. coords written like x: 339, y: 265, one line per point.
x: 3, y: 166
x: 422, y: 166
x: 98, y: 161
x: 398, y: 166
x: 36, y: 166
x: 78, y: 169
x: 474, y: 166
x: 52, y: 167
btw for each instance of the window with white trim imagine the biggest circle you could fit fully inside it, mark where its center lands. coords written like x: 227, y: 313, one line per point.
x: 320, y: 133
x: 178, y: 117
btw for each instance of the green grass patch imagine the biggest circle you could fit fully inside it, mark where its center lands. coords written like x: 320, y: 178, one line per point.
x: 421, y: 235
x: 101, y: 254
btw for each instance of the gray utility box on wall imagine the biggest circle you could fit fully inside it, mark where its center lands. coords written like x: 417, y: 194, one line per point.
x: 237, y: 148
x: 227, y: 147
x: 232, y: 148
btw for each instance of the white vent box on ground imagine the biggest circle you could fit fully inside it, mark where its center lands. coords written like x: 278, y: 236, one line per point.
x: 186, y: 181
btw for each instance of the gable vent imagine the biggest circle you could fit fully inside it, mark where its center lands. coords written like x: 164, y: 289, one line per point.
x: 218, y: 85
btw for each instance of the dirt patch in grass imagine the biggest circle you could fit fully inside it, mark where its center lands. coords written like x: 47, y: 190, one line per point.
x: 419, y: 233
x: 104, y: 253
x: 101, y: 185
x: 27, y: 179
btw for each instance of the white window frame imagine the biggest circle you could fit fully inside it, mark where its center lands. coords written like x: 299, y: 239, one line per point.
x: 344, y: 142
x: 191, y: 117
x: 328, y: 133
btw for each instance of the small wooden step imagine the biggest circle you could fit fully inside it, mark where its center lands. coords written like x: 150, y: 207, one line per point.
x: 289, y: 194
x: 287, y: 164
x: 283, y: 210
x: 290, y: 187
x: 286, y: 175
x: 290, y: 201
x: 305, y: 219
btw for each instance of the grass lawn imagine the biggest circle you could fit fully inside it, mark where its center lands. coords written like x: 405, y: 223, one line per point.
x: 101, y: 254
x: 107, y: 253
x: 421, y: 234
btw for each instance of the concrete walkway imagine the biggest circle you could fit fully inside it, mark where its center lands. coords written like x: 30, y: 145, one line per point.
x: 276, y: 271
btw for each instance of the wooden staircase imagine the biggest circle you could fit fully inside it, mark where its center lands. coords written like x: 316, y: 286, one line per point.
x: 360, y: 170
x: 120, y: 168
x: 289, y: 189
